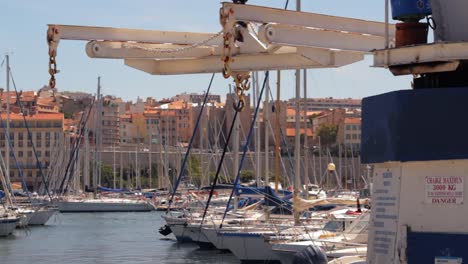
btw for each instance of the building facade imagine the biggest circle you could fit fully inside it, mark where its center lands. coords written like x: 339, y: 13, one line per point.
x: 318, y: 104
x: 349, y: 133
x: 46, y: 130
x: 196, y: 98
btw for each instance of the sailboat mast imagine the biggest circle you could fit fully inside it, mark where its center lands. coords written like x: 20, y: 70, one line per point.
x: 297, y: 150
x: 149, y: 161
x: 236, y: 145
x: 277, y: 129
x: 121, y: 169
x: 136, y: 167
x: 86, y: 158
x: 99, y: 168
x: 96, y: 138
x: 306, y: 147
x: 7, y: 131
x: 113, y: 164
x: 266, y: 123
x: 257, y: 134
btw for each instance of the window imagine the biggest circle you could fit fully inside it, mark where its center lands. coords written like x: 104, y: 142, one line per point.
x: 39, y: 153
x: 348, y: 127
x: 354, y: 127
x: 29, y: 174
x: 47, y: 153
x: 20, y: 154
x: 20, y: 136
x: 38, y: 136
x: 12, y: 136
x: 39, y: 144
x: 12, y: 174
x: 354, y: 136
x: 47, y: 135
x: 29, y: 154
x: 348, y: 136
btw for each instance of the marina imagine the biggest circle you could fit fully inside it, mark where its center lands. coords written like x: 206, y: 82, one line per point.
x: 247, y: 177
x: 87, y: 238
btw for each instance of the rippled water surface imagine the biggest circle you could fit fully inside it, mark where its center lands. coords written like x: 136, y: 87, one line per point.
x: 102, y: 238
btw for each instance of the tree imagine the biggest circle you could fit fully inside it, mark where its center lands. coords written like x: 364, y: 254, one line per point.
x: 194, y: 169
x: 107, y: 175
x: 327, y: 134
x: 246, y: 175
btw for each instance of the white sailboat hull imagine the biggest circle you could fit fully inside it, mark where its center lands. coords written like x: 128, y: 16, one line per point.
x: 24, y: 220
x: 7, y: 225
x: 42, y: 216
x: 248, y: 247
x: 179, y: 228
x: 104, y: 206
x: 196, y: 235
x: 180, y: 232
x: 212, y: 235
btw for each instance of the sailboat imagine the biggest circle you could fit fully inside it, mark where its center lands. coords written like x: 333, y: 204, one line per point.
x: 29, y: 213
x: 8, y: 223
x: 101, y: 203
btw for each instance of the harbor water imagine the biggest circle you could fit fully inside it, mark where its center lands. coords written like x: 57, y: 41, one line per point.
x: 102, y: 238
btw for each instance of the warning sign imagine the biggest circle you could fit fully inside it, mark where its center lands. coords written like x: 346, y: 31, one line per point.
x: 444, y: 190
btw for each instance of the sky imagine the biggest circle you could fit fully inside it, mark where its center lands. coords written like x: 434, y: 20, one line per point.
x: 23, y: 25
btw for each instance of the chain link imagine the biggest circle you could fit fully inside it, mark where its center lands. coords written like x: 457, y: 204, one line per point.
x: 241, y: 79
x: 173, y: 50
x: 52, y: 56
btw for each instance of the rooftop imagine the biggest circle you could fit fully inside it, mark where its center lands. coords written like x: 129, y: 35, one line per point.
x: 352, y: 120
x: 291, y: 132
x: 40, y: 116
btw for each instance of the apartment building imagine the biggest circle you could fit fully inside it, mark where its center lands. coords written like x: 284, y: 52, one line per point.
x: 317, y: 104
x: 45, y: 130
x: 349, y: 133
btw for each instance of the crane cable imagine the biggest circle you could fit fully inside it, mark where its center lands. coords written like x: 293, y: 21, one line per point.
x: 246, y: 146
x: 39, y: 164
x: 20, y: 170
x: 187, y: 153
x: 215, y: 180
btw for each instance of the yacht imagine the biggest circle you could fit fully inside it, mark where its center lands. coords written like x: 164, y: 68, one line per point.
x: 42, y: 215
x: 8, y: 222
x: 105, y: 205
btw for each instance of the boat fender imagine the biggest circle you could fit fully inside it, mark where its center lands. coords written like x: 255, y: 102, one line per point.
x: 165, y: 230
x: 310, y: 255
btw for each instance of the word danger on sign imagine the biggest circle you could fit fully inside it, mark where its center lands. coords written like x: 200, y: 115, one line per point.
x: 444, y: 190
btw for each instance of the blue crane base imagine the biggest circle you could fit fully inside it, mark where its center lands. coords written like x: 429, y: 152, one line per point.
x: 415, y: 125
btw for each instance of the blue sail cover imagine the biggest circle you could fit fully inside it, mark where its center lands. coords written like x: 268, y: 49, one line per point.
x: 282, y: 205
x: 241, y: 190
x: 104, y: 189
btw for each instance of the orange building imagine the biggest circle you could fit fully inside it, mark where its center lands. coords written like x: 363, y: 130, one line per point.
x: 349, y: 133
x: 46, y: 130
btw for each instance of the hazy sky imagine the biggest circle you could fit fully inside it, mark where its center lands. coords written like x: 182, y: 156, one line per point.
x: 23, y: 34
